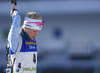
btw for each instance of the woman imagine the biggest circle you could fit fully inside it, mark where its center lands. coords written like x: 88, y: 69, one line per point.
x: 22, y: 44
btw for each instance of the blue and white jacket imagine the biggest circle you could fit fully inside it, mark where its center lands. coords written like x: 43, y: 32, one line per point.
x: 23, y: 52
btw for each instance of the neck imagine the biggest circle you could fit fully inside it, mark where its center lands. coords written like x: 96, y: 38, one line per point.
x: 25, y: 35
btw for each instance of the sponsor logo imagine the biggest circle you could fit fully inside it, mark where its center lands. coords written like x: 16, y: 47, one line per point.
x: 32, y: 47
x: 17, y: 70
x: 29, y: 69
x: 30, y: 43
x: 29, y: 25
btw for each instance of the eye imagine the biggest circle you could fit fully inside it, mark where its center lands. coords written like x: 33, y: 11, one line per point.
x: 34, y: 31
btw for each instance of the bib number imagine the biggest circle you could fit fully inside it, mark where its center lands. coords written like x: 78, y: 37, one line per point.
x: 34, y: 58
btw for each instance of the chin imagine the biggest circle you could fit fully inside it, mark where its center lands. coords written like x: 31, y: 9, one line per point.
x: 32, y: 38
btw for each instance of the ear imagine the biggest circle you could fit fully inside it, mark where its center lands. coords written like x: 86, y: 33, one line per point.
x: 25, y: 28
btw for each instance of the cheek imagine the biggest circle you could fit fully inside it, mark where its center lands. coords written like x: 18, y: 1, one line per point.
x: 31, y: 33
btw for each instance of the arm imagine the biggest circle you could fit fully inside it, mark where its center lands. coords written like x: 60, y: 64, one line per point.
x: 13, y: 37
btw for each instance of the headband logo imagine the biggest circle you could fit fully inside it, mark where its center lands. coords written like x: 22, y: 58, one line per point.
x: 29, y: 25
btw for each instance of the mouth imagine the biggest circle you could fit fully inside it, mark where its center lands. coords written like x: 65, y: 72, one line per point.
x: 33, y: 36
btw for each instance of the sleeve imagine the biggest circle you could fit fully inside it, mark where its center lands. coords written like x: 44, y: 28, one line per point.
x: 14, y: 37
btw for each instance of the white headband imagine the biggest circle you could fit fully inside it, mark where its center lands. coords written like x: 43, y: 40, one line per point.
x: 32, y: 25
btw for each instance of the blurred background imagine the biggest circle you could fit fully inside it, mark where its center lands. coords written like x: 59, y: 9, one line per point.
x: 70, y: 39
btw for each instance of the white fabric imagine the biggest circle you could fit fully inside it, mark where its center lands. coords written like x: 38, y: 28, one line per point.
x: 13, y: 37
x: 27, y: 65
x: 31, y: 20
x: 20, y: 44
x: 33, y: 25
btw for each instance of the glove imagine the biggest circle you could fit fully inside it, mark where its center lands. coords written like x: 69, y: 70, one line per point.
x: 11, y: 12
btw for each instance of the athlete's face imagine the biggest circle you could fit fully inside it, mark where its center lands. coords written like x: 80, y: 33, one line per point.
x: 32, y: 33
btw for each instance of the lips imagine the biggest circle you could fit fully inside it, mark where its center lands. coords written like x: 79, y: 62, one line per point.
x: 33, y: 37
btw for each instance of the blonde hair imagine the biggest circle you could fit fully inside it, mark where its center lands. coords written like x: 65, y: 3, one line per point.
x: 33, y: 15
